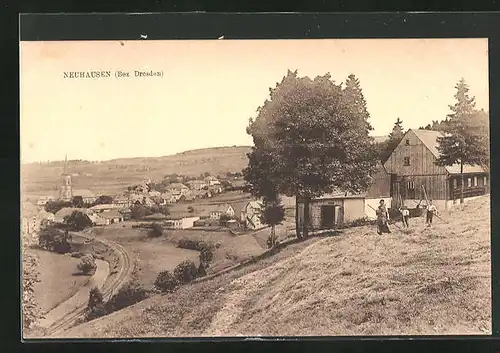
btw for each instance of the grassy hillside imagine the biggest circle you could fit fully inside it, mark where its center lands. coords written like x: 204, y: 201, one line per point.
x: 423, y: 281
x: 115, y: 175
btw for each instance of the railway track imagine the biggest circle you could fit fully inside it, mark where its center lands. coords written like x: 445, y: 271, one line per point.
x: 108, y: 290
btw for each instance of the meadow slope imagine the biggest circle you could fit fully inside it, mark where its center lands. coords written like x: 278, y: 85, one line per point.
x: 427, y: 281
x: 115, y: 175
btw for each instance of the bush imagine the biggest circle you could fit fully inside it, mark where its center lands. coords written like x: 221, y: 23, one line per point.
x: 95, y: 307
x: 53, y: 239
x: 185, y: 272
x: 207, y: 254
x: 87, y: 264
x: 191, y: 244
x: 127, y: 295
x: 77, y: 254
x: 155, y: 231
x: 166, y: 281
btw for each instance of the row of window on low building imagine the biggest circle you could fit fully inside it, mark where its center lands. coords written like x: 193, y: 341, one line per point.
x: 471, y: 182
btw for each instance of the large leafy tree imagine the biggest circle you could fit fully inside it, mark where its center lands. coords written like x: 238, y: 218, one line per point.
x: 308, y: 141
x: 466, y: 139
x: 78, y: 221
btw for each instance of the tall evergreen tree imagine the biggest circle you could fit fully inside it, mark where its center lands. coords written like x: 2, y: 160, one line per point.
x: 465, y: 140
x: 392, y: 142
x: 356, y: 100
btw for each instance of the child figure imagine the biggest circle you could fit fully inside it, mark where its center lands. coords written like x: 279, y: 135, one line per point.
x: 406, y: 215
x: 431, y: 210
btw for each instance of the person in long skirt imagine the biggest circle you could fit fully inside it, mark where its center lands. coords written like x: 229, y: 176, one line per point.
x: 382, y: 219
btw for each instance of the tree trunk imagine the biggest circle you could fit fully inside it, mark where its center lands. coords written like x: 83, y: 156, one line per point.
x: 297, y: 223
x: 306, y: 216
x: 461, y: 182
x: 273, y: 236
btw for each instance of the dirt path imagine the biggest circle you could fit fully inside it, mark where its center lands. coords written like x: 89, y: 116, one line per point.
x: 79, y: 299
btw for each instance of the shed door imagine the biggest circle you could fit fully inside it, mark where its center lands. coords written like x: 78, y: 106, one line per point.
x: 327, y: 216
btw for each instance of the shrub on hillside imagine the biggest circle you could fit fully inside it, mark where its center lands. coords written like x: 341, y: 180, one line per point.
x: 207, y: 254
x: 77, y: 254
x: 166, y: 281
x: 185, y: 272
x: 128, y: 295
x: 87, y: 264
x: 95, y: 306
x: 155, y: 231
x: 31, y: 311
x: 53, y: 239
x: 189, y: 244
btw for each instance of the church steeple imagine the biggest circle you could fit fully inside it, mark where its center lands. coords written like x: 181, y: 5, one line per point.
x: 66, y: 192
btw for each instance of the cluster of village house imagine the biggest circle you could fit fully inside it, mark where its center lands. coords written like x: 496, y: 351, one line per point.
x: 240, y: 214
x: 410, y: 176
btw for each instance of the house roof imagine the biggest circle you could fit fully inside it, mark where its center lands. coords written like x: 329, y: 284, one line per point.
x: 67, y: 211
x: 429, y: 139
x: 111, y: 214
x: 238, y: 207
x: 105, y: 207
x: 199, y: 182
x: 179, y: 214
x: 83, y: 193
x: 156, y: 216
x: 97, y: 219
x: 210, y: 177
x: 177, y: 186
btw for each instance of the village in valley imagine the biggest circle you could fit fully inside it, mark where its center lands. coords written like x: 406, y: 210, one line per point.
x: 319, y: 218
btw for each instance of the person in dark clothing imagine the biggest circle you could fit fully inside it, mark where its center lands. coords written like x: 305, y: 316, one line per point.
x: 431, y: 210
x: 382, y: 219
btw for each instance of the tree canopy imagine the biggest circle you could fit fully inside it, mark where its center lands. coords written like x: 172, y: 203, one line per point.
x: 310, y: 137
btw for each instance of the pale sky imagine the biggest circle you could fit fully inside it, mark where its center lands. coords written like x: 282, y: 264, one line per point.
x: 211, y: 88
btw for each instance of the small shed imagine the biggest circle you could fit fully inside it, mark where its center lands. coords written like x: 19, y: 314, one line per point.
x: 331, y: 210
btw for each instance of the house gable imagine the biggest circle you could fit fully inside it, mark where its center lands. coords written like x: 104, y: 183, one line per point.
x: 413, y: 157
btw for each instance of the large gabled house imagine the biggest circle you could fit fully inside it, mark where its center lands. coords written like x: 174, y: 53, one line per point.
x: 415, y: 176
x: 216, y: 211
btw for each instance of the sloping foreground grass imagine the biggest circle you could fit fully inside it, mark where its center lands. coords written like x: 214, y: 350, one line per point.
x: 59, y: 278
x: 425, y: 281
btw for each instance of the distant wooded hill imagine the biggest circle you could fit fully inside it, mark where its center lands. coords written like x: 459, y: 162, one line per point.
x: 115, y: 175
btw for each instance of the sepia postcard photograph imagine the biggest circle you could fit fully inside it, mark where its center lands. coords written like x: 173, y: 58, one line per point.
x: 233, y: 188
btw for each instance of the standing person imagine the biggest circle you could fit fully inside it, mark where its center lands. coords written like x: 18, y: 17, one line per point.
x: 406, y: 215
x: 382, y: 219
x: 431, y: 210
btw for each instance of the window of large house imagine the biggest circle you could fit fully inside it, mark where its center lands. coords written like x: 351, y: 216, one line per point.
x: 410, y: 190
x: 469, y: 182
x: 407, y: 142
x: 475, y: 181
x: 455, y: 183
x: 407, y: 161
x: 485, y: 181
